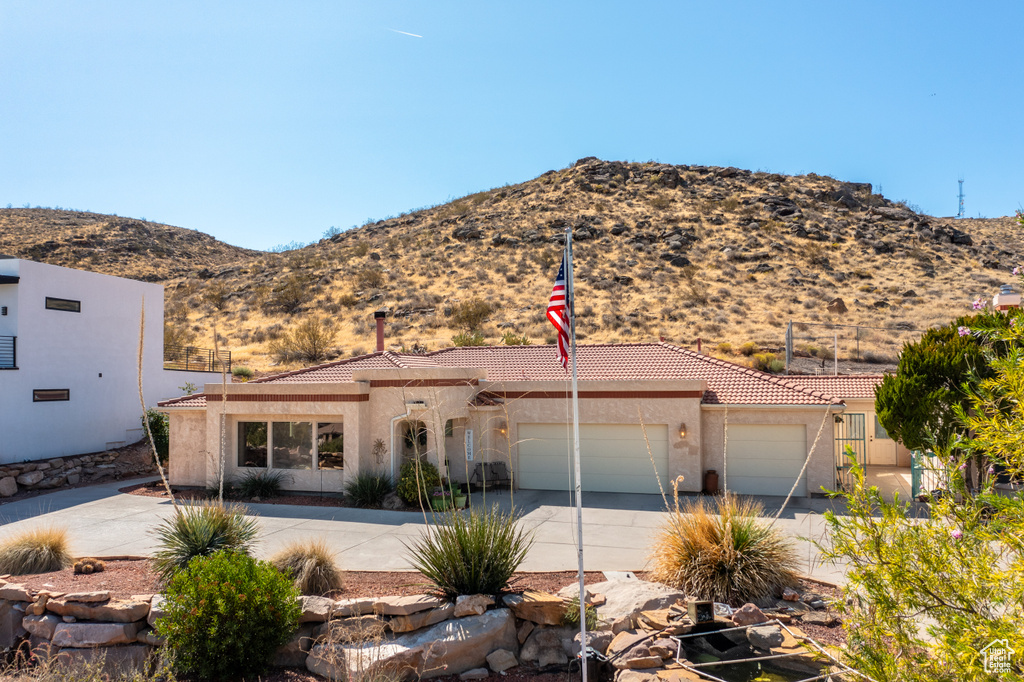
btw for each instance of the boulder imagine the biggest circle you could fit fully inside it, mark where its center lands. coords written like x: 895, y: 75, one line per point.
x: 501, y: 660
x: 404, y: 606
x: 149, y: 636
x: 640, y: 663
x: 30, y: 478
x: 452, y: 647
x: 343, y: 608
x: 315, y: 609
x: 748, y: 614
x: 15, y: 592
x: 119, y: 662
x: 11, y: 616
x: 472, y: 604
x: 87, y: 597
x: 8, y: 486
x: 354, y: 629
x: 596, y: 640
x: 422, y: 619
x: 824, y: 619
x: 629, y: 597
x: 293, y: 654
x: 83, y: 635
x: 765, y: 637
x: 41, y: 626
x: 538, y: 607
x: 789, y: 594
x: 392, y: 502
x: 116, y: 610
x: 547, y: 646
x: 156, y: 610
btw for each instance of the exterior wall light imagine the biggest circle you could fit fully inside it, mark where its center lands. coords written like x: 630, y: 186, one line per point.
x: 503, y: 428
x: 682, y: 430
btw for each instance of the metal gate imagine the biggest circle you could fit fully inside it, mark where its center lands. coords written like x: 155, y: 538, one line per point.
x: 849, y: 435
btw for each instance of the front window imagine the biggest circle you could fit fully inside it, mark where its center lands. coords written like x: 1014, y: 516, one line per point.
x: 330, y: 445
x: 252, y: 444
x: 293, y: 445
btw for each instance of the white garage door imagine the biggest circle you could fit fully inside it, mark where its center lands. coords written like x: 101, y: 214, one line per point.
x: 764, y: 459
x: 613, y: 457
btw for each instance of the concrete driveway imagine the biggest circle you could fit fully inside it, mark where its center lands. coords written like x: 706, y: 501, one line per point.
x: 617, y: 528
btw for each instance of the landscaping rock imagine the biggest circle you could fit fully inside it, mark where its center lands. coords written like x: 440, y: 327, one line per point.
x: 641, y: 663
x: 472, y: 604
x: 83, y: 635
x: 524, y: 630
x: 789, y: 594
x: 475, y: 674
x: 825, y: 619
x: 392, y: 502
x: 149, y: 636
x: 30, y: 478
x: 765, y: 637
x: 156, y: 610
x: 343, y: 608
x: 452, y: 647
x: 422, y: 619
x: 293, y: 654
x: 316, y: 609
x: 545, y: 646
x: 501, y: 660
x: 118, y: 661
x: 597, y: 640
x: 116, y: 610
x: 11, y: 629
x: 8, y: 486
x: 627, y: 675
x: 537, y: 607
x: 15, y: 592
x: 630, y: 597
x: 625, y: 640
x: 87, y: 597
x: 404, y: 606
x: 748, y: 614
x: 41, y: 626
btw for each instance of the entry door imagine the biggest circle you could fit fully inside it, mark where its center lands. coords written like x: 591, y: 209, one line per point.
x: 881, y: 448
x: 850, y: 434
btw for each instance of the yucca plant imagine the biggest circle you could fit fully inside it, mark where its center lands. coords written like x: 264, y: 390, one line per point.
x: 200, y: 530
x: 725, y: 551
x: 311, y: 566
x: 39, y: 550
x: 369, y: 488
x: 471, y: 552
x: 262, y: 484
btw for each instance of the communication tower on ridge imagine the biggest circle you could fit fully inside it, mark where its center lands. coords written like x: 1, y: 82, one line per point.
x: 960, y: 213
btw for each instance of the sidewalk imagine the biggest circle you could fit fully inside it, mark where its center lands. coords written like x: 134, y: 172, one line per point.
x: 617, y: 528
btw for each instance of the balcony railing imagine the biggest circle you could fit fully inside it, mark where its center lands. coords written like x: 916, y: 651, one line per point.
x: 8, y: 352
x: 196, y: 359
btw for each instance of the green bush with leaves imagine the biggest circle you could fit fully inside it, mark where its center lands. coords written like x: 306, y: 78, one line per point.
x: 226, y: 615
x: 159, y: 426
x: 510, y: 338
x: 200, y: 530
x: 416, y: 480
x: 369, y: 488
x: 572, y: 614
x: 928, y: 594
x: 472, y: 338
x: 242, y: 372
x: 470, y: 315
x: 725, y: 551
x: 471, y: 552
x: 262, y: 484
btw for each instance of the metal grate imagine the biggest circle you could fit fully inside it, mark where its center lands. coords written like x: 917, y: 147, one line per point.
x: 8, y: 352
x: 196, y: 359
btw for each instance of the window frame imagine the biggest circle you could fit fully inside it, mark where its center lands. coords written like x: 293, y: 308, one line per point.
x: 314, y: 427
x: 53, y: 303
x: 37, y: 391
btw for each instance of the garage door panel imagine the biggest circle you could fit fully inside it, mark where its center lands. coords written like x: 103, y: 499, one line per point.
x: 765, y: 459
x: 614, y: 457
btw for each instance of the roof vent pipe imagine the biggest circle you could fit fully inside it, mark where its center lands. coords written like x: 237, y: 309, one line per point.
x: 379, y: 317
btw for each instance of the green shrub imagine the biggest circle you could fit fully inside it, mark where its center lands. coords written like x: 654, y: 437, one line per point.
x: 310, y: 565
x: 749, y: 348
x: 39, y: 550
x: 725, y: 552
x: 226, y: 615
x: 510, y: 338
x: 262, y: 484
x: 369, y: 488
x: 768, y: 362
x: 471, y: 552
x: 469, y: 315
x: 469, y: 339
x: 428, y: 479
x: 242, y: 372
x: 158, y: 423
x: 725, y: 348
x: 572, y: 614
x: 200, y: 530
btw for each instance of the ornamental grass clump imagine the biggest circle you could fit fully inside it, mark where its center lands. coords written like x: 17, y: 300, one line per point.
x: 724, y: 551
x: 200, y: 530
x: 261, y: 484
x: 226, y: 614
x: 471, y: 552
x: 311, y: 566
x: 369, y: 488
x: 39, y: 550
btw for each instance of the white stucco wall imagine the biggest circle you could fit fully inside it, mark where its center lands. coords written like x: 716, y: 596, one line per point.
x: 92, y: 353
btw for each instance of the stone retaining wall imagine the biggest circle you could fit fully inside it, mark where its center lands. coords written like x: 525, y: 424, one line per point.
x: 46, y: 474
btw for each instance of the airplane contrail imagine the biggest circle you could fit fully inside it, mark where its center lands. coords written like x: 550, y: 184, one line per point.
x: 405, y: 33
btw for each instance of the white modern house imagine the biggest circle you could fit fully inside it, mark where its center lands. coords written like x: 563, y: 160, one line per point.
x: 69, y: 360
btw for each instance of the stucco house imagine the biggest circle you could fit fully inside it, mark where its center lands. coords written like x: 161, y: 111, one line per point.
x: 649, y: 413
x: 69, y: 360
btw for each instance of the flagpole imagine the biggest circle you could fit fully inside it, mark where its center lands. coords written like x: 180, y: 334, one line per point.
x: 570, y: 300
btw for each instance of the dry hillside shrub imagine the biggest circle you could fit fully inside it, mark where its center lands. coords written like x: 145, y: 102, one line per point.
x: 471, y: 314
x: 310, y: 341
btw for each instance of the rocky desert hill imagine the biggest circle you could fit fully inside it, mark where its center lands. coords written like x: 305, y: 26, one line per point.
x: 673, y: 252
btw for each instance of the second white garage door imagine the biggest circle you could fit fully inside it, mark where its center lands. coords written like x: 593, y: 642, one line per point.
x: 765, y: 459
x: 613, y: 457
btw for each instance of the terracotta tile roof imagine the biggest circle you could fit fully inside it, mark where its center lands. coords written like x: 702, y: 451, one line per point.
x: 841, y: 386
x: 194, y: 400
x: 728, y: 383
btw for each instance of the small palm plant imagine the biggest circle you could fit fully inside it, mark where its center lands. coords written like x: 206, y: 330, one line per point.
x: 724, y: 552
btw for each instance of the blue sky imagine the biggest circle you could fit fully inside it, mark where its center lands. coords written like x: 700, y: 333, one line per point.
x: 263, y: 123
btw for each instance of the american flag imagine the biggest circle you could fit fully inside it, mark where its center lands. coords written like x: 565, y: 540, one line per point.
x: 558, y: 313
